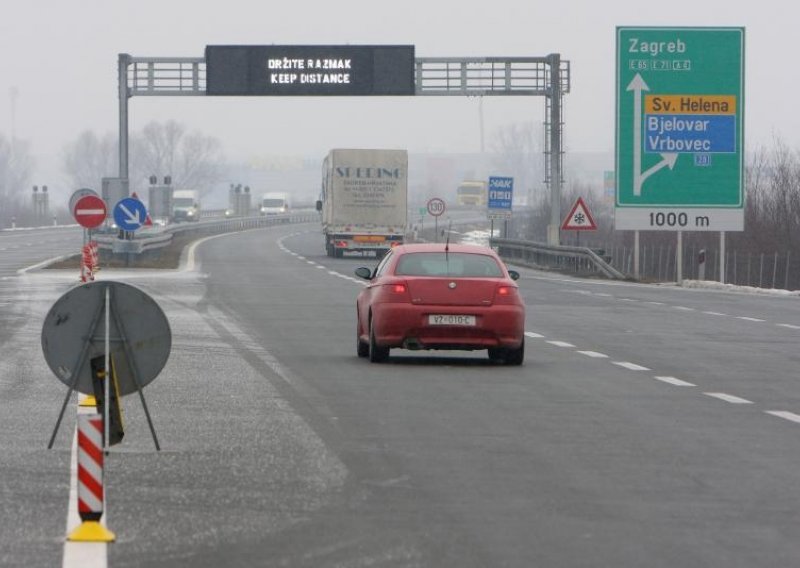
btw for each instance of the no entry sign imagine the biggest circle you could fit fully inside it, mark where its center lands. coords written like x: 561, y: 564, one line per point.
x: 90, y: 211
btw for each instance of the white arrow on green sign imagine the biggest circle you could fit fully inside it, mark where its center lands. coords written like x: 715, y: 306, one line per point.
x: 680, y: 129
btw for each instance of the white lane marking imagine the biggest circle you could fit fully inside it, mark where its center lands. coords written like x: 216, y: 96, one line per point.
x: 628, y: 300
x: 533, y: 335
x: 791, y: 416
x: 560, y: 344
x: 604, y: 294
x: 310, y: 262
x: 788, y: 325
x: 675, y: 381
x: 631, y: 366
x: 594, y: 354
x: 745, y: 318
x: 683, y: 308
x: 728, y: 398
x: 320, y: 266
x: 655, y: 303
x: 333, y: 273
x: 715, y: 314
x: 301, y: 257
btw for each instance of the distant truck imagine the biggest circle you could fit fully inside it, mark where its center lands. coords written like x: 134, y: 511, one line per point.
x: 471, y: 193
x: 364, y: 200
x: 274, y: 204
x: 185, y: 205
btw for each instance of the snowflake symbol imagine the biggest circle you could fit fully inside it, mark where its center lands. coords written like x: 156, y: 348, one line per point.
x: 579, y: 218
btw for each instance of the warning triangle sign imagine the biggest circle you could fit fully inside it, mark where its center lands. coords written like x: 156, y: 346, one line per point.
x: 579, y: 218
x: 148, y: 222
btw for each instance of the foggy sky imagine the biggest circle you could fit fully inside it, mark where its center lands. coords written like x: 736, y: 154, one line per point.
x: 60, y: 58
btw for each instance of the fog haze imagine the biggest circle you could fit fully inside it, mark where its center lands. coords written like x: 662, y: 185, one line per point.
x: 60, y: 59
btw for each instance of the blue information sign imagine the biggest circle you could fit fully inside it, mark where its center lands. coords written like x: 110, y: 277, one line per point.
x: 501, y: 193
x: 130, y: 214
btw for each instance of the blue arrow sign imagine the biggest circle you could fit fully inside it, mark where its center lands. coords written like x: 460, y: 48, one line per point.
x: 130, y: 214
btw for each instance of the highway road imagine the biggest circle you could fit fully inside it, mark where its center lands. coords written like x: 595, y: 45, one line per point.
x: 649, y: 426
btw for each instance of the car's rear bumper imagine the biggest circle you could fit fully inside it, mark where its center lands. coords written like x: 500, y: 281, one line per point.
x: 401, y: 325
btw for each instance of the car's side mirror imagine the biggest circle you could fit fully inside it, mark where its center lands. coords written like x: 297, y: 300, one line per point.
x: 364, y: 272
x: 513, y: 274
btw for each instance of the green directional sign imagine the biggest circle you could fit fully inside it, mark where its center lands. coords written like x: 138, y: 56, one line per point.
x: 680, y: 129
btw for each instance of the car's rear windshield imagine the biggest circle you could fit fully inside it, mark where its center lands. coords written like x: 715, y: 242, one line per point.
x: 448, y: 264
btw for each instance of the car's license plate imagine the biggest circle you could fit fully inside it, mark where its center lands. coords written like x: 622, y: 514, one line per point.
x: 450, y: 319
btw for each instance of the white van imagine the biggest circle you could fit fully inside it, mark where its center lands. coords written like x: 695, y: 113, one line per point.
x: 185, y: 205
x: 274, y: 204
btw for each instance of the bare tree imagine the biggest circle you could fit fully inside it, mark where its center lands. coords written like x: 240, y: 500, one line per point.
x: 16, y: 165
x: 89, y: 159
x: 193, y: 160
x: 518, y: 153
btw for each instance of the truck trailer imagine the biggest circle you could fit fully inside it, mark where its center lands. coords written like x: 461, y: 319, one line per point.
x: 364, y: 200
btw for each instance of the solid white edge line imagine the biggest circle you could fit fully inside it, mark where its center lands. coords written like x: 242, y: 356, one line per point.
x: 594, y: 354
x: 675, y: 381
x: 630, y: 366
x: 715, y: 314
x: 788, y: 325
x: 533, y: 335
x: 745, y: 318
x: 44, y: 263
x: 728, y: 398
x: 790, y: 416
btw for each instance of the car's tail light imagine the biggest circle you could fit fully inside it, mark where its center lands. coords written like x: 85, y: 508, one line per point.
x: 505, y: 294
x: 395, y: 291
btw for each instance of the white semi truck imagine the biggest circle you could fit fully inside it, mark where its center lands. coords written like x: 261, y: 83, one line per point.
x: 364, y: 200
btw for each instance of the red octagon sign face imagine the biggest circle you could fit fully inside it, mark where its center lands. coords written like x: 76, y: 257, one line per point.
x: 90, y: 211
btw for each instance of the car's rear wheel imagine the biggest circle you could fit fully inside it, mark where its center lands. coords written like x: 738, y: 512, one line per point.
x: 496, y: 354
x: 362, y: 348
x: 516, y: 356
x: 508, y: 356
x: 377, y: 353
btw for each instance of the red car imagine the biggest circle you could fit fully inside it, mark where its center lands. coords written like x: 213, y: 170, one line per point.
x: 441, y: 296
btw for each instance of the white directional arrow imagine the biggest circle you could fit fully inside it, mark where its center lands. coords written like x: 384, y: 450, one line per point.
x: 638, y: 85
x: 668, y: 160
x: 133, y: 216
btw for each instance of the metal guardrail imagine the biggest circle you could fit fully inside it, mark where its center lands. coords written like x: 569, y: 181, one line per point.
x: 562, y: 258
x: 159, y: 238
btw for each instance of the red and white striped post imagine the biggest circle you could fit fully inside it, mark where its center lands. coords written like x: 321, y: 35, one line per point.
x: 95, y: 262
x: 90, y: 481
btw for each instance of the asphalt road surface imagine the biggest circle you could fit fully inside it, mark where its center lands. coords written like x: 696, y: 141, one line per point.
x: 649, y: 426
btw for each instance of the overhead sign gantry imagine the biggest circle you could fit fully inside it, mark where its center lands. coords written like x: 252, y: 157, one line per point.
x: 358, y: 70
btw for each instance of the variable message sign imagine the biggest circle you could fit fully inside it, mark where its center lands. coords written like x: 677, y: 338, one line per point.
x: 680, y: 129
x: 345, y: 70
x: 500, y: 198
